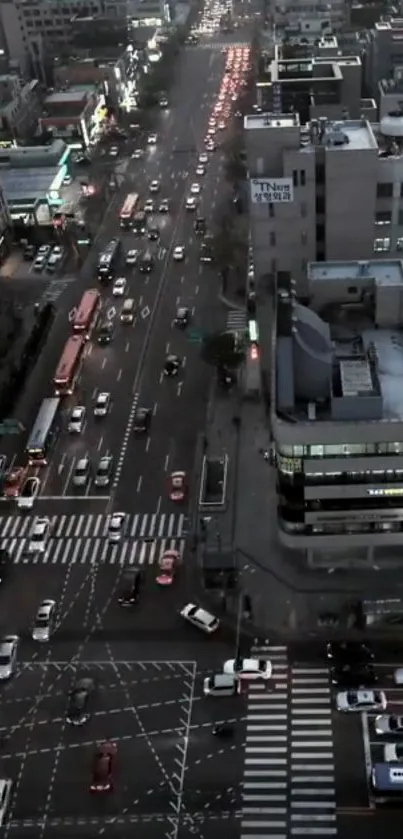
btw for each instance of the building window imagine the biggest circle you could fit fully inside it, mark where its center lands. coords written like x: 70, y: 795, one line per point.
x: 302, y: 177
x: 320, y: 205
x: 304, y: 265
x: 399, y: 244
x: 272, y: 239
x: 320, y: 173
x: 304, y: 209
x: 304, y: 237
x: 384, y: 190
x: 383, y: 217
x: 295, y: 177
x: 400, y: 219
x: 271, y: 210
x: 381, y: 245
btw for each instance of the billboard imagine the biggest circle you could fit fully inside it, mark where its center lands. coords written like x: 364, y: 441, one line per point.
x: 271, y: 190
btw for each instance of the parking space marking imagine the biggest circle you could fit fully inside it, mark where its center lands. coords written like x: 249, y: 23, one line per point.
x: 85, y: 744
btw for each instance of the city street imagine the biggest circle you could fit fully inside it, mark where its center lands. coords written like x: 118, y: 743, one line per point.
x: 130, y: 369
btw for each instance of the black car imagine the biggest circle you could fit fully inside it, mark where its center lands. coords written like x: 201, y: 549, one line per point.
x: 348, y: 652
x: 153, y: 234
x: 200, y: 226
x: 206, y: 252
x: 105, y: 333
x: 29, y: 252
x: 142, y: 420
x: 130, y: 590
x: 357, y: 675
x: 182, y: 317
x: 80, y: 701
x: 146, y: 264
x: 172, y: 365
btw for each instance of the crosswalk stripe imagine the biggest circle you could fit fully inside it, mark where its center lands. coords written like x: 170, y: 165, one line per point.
x: 296, y: 743
x: 94, y: 550
x: 236, y: 320
x: 77, y: 526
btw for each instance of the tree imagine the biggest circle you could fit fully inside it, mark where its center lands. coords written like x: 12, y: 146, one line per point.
x: 234, y: 166
x: 223, y: 350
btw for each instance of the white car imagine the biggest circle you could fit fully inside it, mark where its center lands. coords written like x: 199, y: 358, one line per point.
x: 361, y: 700
x: 44, y: 621
x: 152, y: 139
x: 195, y: 189
x: 116, y: 527
x: 29, y: 491
x: 77, y: 420
x: 200, y: 617
x: 113, y: 151
x: 137, y: 154
x: 200, y: 170
x: 221, y: 125
x: 8, y: 656
x: 67, y: 180
x: 178, y: 253
x: 132, y: 257
x: 149, y: 206
x: 389, y: 724
x: 39, y: 536
x: 203, y: 157
x: 191, y: 203
x: 5, y: 794
x: 119, y: 287
x: 248, y: 668
x: 102, y: 404
x: 393, y: 752
x: 155, y: 186
x: 81, y: 471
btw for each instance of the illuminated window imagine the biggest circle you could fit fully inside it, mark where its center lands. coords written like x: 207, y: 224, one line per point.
x: 382, y: 245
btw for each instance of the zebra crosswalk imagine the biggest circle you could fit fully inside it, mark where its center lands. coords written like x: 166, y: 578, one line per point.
x: 236, y: 320
x: 93, y: 551
x: 81, y: 539
x: 288, y: 780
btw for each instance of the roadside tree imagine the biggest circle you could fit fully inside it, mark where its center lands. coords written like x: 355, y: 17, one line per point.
x: 223, y: 350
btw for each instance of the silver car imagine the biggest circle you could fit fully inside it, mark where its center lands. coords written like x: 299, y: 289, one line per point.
x: 8, y: 656
x: 389, y: 724
x: 44, y: 621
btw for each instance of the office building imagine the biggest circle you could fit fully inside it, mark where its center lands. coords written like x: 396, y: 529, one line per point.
x: 383, y: 52
x: 326, y: 85
x: 73, y: 115
x: 20, y: 106
x: 322, y: 191
x: 307, y: 19
x: 337, y: 413
x: 34, y: 32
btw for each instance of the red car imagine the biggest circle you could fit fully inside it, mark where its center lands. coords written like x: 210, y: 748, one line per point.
x: 13, y: 481
x: 177, y: 486
x: 103, y: 767
x: 167, y: 568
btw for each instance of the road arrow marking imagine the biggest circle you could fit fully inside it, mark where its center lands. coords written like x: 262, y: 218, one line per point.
x: 145, y: 312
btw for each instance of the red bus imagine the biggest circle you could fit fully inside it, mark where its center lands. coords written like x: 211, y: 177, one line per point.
x: 86, y: 314
x: 128, y: 210
x: 69, y: 366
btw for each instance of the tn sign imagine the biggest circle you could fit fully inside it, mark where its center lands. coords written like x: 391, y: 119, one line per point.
x: 271, y: 190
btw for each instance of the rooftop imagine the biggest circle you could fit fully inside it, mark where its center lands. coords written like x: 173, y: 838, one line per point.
x: 65, y: 97
x: 340, y: 356
x: 27, y: 185
x: 254, y: 121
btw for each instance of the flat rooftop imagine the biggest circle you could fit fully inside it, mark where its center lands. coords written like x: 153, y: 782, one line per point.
x: 27, y: 185
x: 65, y: 97
x: 388, y: 271
x: 259, y: 121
